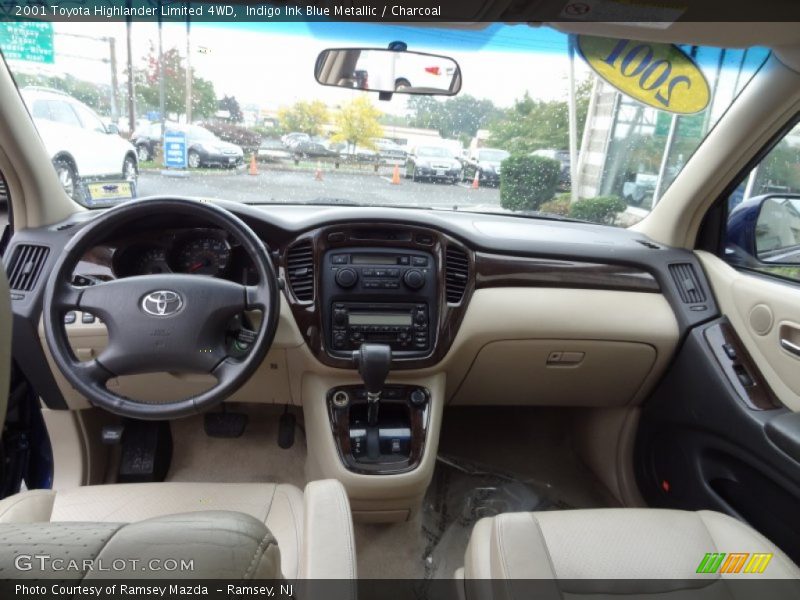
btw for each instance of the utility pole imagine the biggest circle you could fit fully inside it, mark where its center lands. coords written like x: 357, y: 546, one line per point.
x: 161, y: 90
x: 573, y: 125
x: 188, y: 68
x: 131, y: 91
x: 112, y: 52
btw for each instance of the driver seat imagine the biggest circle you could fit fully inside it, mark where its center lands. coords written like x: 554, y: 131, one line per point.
x: 228, y: 530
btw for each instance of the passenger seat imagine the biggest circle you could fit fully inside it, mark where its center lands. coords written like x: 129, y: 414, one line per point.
x: 593, y: 551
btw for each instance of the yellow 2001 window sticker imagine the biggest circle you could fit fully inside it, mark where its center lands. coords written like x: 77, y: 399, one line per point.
x: 659, y: 75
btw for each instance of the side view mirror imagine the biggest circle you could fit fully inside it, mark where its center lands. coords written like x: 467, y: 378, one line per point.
x: 388, y: 71
x: 112, y: 129
x: 767, y: 229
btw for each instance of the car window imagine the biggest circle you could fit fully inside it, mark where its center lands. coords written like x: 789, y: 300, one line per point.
x: 89, y: 119
x: 61, y: 112
x: 39, y: 110
x: 763, y: 225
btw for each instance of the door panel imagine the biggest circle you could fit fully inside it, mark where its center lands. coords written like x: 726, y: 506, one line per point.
x: 762, y: 310
x: 702, y: 444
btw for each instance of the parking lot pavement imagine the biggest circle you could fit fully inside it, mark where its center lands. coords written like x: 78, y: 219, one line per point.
x: 272, y: 185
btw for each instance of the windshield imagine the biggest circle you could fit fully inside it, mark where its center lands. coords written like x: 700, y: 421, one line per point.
x: 493, y: 155
x: 437, y: 152
x: 512, y: 109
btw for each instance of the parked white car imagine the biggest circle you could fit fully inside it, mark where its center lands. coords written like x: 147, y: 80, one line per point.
x: 79, y: 143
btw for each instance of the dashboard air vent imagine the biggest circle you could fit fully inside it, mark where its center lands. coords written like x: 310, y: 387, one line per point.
x: 649, y: 244
x: 300, y: 269
x: 688, y: 285
x: 3, y: 191
x: 26, y: 266
x: 456, y: 274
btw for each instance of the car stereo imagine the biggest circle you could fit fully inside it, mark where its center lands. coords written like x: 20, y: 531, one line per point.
x: 379, y: 295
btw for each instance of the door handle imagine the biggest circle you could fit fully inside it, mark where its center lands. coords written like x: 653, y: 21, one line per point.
x: 790, y: 347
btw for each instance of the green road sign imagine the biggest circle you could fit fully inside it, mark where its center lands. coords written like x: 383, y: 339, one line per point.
x: 30, y: 41
x: 688, y: 126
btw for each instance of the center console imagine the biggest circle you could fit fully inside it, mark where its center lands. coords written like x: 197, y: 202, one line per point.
x: 379, y: 295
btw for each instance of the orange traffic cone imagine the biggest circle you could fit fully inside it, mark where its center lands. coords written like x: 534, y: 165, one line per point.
x: 318, y: 172
x: 476, y: 181
x: 396, y: 175
x: 253, y: 166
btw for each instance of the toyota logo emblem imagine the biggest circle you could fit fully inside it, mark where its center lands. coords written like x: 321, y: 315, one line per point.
x: 162, y: 303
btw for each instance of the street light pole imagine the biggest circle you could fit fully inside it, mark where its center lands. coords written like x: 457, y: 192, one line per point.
x: 188, y: 68
x: 161, y: 90
x: 131, y: 96
x: 112, y: 52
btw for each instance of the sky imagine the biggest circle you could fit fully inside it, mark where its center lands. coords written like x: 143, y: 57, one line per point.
x: 271, y: 64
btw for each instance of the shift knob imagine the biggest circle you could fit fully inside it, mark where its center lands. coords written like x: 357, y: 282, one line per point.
x: 373, y: 362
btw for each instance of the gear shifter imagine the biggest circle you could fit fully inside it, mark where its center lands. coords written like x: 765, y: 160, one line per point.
x: 373, y: 362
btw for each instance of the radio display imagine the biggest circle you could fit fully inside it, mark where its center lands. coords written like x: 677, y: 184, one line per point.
x: 373, y: 259
x: 397, y: 319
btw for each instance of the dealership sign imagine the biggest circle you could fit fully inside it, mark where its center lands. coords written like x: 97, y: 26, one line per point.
x: 659, y: 75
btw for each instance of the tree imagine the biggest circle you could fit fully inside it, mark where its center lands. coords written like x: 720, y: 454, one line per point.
x: 534, y: 124
x: 460, y: 117
x: 231, y: 104
x: 358, y: 123
x: 204, y: 98
x: 305, y: 117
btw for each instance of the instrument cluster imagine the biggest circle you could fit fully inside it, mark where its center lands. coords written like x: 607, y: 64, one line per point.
x: 194, y: 251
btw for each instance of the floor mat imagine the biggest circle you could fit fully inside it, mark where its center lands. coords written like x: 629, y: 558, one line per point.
x: 255, y: 456
x: 462, y: 492
x: 432, y: 545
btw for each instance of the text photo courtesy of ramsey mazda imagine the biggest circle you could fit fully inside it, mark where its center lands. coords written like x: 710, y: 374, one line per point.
x: 465, y: 301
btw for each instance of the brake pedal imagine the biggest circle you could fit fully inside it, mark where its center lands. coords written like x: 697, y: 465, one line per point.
x: 286, y: 427
x: 224, y: 424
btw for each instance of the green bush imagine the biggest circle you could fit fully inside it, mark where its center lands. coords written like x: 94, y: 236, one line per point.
x: 602, y: 209
x: 527, y: 182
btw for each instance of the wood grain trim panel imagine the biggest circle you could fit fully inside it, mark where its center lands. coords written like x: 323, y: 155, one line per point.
x: 496, y: 270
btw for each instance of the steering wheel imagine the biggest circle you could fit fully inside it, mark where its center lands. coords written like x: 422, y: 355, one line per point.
x: 157, y: 323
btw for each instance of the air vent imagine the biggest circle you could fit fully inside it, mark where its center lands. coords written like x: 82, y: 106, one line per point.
x: 456, y: 274
x: 3, y: 191
x: 26, y: 266
x: 300, y: 269
x: 649, y: 244
x: 687, y: 282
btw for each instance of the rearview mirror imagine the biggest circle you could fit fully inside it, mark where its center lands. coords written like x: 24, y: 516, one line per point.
x: 111, y: 128
x: 388, y: 71
x: 767, y: 228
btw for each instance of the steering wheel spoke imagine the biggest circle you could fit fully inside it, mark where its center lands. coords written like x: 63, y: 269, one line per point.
x: 93, y: 371
x: 254, y: 298
x: 68, y: 296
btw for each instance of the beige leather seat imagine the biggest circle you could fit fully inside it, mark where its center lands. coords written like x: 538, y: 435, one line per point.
x: 269, y: 530
x: 593, y: 550
x: 313, y: 530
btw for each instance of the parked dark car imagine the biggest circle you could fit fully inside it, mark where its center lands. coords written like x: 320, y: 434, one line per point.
x: 312, y: 149
x: 146, y: 139
x: 486, y: 163
x: 433, y: 163
x: 204, y: 149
